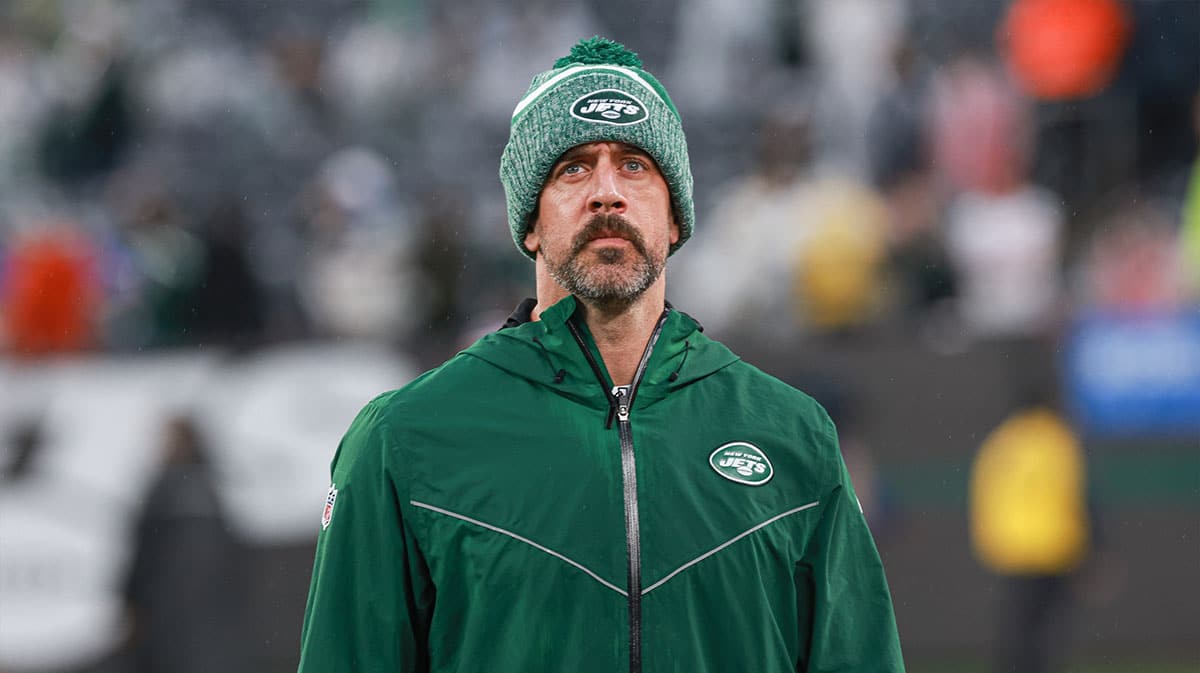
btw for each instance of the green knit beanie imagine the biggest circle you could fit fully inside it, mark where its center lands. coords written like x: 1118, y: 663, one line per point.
x: 598, y: 92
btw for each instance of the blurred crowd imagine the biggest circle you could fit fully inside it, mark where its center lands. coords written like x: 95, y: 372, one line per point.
x: 193, y: 173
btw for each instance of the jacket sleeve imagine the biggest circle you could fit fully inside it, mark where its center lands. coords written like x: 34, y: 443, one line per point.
x: 370, y: 595
x: 852, y: 623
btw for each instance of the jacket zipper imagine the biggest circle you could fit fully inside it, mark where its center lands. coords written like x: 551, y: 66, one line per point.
x: 620, y: 401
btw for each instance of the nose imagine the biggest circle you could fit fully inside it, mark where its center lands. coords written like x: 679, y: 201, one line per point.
x: 606, y: 195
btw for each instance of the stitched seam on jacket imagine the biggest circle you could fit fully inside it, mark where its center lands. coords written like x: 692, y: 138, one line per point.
x: 519, y: 538
x: 725, y: 544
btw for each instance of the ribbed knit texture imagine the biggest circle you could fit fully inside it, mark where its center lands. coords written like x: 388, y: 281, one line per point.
x: 545, y: 128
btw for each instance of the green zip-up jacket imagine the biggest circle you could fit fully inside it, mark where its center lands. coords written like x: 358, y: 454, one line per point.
x: 512, y: 511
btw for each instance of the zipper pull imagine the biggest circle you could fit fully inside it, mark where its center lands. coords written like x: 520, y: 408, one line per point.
x: 620, y: 402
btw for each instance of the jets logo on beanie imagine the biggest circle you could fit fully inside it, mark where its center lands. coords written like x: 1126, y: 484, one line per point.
x: 598, y: 92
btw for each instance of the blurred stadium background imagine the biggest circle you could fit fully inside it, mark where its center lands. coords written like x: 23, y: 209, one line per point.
x: 227, y: 224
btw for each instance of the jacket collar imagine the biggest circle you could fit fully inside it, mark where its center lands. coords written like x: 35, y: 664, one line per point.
x: 522, y: 314
x: 557, y: 314
x: 545, y: 353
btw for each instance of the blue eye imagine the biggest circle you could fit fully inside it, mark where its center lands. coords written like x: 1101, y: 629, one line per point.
x: 634, y: 165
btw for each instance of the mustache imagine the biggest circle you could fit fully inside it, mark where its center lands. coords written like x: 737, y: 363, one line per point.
x: 608, y: 225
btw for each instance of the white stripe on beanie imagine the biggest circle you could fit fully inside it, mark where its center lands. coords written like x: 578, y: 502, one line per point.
x: 545, y: 86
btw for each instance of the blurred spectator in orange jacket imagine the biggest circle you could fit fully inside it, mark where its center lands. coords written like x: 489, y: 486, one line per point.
x: 50, y: 295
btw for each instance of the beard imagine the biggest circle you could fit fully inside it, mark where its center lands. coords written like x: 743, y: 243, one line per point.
x: 618, y: 275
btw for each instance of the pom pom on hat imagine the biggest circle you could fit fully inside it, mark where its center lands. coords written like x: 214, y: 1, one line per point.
x: 597, y: 50
x: 598, y: 92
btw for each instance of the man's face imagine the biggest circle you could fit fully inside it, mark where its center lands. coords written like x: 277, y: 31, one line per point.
x: 604, y: 224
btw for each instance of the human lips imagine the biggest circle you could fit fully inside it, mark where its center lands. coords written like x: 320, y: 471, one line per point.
x: 608, y: 238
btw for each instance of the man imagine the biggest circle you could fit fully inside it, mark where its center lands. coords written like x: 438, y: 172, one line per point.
x: 597, y: 486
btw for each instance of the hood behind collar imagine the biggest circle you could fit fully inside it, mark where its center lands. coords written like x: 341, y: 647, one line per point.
x: 544, y: 352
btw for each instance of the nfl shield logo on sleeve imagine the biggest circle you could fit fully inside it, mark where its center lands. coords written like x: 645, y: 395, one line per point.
x: 327, y: 515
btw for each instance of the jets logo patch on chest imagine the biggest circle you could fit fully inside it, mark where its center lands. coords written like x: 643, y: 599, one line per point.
x: 742, y: 462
